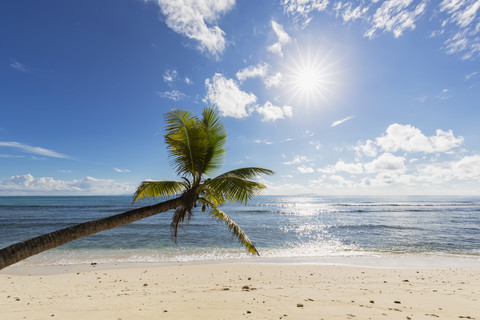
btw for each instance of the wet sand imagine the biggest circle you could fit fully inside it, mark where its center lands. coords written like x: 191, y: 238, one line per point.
x: 238, y: 291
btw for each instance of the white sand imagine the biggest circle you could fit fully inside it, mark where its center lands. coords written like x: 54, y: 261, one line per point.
x: 239, y: 291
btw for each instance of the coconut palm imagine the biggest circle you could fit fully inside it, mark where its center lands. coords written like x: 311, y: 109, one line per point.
x: 196, y: 147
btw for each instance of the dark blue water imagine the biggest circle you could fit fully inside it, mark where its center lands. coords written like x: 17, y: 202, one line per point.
x: 280, y: 226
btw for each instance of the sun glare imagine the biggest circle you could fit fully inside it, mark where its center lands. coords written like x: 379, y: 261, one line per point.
x: 307, y: 80
x: 310, y: 79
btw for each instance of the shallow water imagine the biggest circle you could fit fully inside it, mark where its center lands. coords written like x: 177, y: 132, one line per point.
x: 283, y: 228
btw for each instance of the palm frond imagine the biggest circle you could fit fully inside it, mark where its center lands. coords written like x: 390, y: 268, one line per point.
x: 246, y: 173
x: 213, y: 195
x: 186, y: 142
x: 233, y: 188
x: 149, y: 189
x: 234, y: 228
x: 216, y: 140
x: 177, y: 218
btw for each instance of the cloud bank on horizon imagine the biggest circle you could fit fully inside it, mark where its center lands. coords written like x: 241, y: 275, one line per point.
x: 400, y: 159
x: 29, y: 185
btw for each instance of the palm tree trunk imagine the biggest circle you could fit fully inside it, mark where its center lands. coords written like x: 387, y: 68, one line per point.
x: 22, y: 250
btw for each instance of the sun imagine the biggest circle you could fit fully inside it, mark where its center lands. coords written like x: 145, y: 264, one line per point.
x: 310, y: 78
x: 307, y: 79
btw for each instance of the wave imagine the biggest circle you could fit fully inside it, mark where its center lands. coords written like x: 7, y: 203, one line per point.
x: 374, y: 226
x: 379, y: 204
x: 305, y: 254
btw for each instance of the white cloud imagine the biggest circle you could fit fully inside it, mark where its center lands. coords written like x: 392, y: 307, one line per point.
x: 342, y: 182
x: 33, y: 150
x: 121, y: 170
x: 19, y: 66
x: 316, y: 144
x: 428, y: 175
x: 260, y: 70
x: 228, y: 98
x: 274, y: 80
x: 308, y: 134
x: 395, y: 16
x: 349, y: 13
x: 444, y: 95
x: 328, y: 169
x: 263, y: 141
x: 170, y: 76
x: 271, y: 112
x: 298, y: 159
x: 368, y: 148
x: 470, y: 75
x: 461, y: 12
x: 174, y: 95
x: 464, y: 169
x: 434, y: 173
x: 382, y: 179
x: 304, y: 169
x: 301, y: 9
x: 188, y: 81
x: 457, y: 20
x: 353, y: 168
x: 336, y: 123
x: 386, y: 162
x: 28, y: 184
x: 467, y: 167
x: 282, y: 36
x: 196, y: 20
x: 456, y: 43
x: 410, y: 139
x: 10, y: 156
x: 287, y: 188
x: 422, y: 99
x: 406, y: 174
x: 463, y: 27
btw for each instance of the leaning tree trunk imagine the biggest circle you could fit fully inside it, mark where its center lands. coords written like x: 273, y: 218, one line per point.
x: 22, y: 250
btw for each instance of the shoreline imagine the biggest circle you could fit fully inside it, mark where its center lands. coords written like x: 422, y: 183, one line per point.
x: 242, y: 291
x: 371, y: 260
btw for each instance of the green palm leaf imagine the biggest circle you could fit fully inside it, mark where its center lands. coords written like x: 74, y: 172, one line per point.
x: 234, y: 228
x: 215, y: 197
x: 186, y: 143
x: 246, y: 173
x: 158, y: 189
x: 233, y: 188
x: 216, y: 139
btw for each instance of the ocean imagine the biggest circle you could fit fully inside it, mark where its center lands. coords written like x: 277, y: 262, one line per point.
x: 373, y: 231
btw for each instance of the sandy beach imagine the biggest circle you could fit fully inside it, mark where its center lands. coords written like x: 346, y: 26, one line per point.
x: 238, y: 291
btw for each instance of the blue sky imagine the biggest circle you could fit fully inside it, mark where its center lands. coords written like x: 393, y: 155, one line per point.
x: 361, y: 97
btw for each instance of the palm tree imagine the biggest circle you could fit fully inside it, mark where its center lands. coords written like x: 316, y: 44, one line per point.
x: 197, y: 148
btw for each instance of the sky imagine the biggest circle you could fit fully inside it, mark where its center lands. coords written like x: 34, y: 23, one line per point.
x: 373, y: 97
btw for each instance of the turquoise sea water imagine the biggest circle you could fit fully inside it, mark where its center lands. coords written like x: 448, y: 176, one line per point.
x: 283, y: 228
